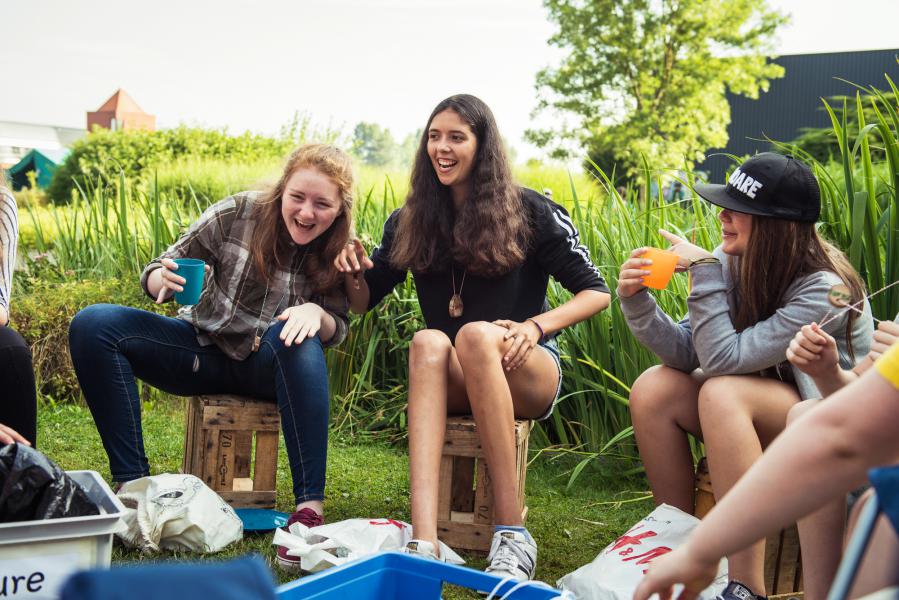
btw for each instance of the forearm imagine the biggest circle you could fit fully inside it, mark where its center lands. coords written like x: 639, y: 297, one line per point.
x: 821, y: 452
x: 357, y: 292
x: 833, y: 381
x: 582, y: 306
x: 671, y: 342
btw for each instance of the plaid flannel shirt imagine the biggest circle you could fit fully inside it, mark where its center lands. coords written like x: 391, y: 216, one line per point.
x: 234, y: 304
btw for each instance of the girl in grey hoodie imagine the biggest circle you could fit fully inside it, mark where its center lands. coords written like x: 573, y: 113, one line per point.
x: 723, y: 376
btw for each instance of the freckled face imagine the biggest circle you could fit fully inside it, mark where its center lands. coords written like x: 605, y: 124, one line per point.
x: 310, y: 204
x: 452, y: 147
x: 735, y: 230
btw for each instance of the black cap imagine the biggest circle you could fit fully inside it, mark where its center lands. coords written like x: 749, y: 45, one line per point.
x: 768, y: 185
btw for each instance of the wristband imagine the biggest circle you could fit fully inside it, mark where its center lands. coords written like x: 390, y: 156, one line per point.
x: 708, y: 260
x: 540, y: 329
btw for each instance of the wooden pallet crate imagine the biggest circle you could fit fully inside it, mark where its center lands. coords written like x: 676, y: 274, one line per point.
x: 465, y: 501
x: 231, y: 443
x: 783, y: 563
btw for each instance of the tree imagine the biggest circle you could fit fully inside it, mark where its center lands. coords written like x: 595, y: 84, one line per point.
x: 648, y: 77
x: 373, y: 144
x: 408, y: 147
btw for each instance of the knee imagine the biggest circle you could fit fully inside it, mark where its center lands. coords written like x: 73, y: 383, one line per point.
x: 90, y: 321
x: 799, y: 409
x: 721, y: 397
x: 429, y: 348
x: 309, y: 351
x: 650, y: 393
x: 12, y: 341
x: 477, y: 339
x: 15, y: 351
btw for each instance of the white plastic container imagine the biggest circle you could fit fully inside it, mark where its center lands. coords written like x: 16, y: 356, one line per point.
x: 36, y: 557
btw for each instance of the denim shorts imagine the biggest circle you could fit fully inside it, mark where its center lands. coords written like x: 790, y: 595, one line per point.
x: 551, y: 346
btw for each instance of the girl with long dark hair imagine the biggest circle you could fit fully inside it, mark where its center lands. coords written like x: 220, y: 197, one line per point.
x: 723, y: 376
x: 271, y: 303
x: 481, y: 250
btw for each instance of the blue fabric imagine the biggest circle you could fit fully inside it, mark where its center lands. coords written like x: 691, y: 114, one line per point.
x: 111, y: 345
x: 886, y: 483
x: 241, y: 579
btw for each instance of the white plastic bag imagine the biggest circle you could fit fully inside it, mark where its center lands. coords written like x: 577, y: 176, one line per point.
x: 615, y: 573
x: 336, y: 543
x: 176, y: 512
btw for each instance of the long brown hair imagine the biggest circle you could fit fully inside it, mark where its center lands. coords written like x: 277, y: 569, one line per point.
x: 490, y: 234
x: 779, y: 252
x: 271, y: 241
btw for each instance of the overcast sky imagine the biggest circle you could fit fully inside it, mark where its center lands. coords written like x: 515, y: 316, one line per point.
x: 251, y: 65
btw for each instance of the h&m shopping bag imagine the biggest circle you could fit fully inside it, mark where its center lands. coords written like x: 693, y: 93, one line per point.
x: 616, y: 571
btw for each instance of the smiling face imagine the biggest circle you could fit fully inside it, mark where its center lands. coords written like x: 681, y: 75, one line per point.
x: 735, y: 230
x: 452, y: 147
x: 309, y: 205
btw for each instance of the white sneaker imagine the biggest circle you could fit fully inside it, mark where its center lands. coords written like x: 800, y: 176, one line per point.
x: 423, y: 548
x: 512, y: 554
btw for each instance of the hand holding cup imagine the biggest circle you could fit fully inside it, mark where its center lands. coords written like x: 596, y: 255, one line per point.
x: 632, y: 273
x: 182, y: 277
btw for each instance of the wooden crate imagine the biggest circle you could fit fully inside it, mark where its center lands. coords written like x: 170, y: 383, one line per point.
x: 231, y: 443
x: 783, y: 564
x: 465, y: 501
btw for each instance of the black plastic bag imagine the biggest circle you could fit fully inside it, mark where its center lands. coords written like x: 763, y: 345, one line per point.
x: 33, y: 487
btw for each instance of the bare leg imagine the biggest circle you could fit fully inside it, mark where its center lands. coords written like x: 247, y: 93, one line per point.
x: 740, y: 415
x: 434, y: 378
x: 663, y: 404
x: 496, y: 398
x: 820, y: 534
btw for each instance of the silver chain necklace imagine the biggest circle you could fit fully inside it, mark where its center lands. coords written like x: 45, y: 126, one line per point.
x: 257, y: 333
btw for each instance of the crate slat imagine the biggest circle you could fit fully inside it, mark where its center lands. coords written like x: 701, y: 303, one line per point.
x: 218, y: 447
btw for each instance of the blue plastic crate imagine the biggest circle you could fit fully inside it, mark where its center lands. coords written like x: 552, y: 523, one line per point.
x: 396, y: 576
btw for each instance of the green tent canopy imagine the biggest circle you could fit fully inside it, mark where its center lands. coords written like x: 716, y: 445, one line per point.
x: 42, y: 162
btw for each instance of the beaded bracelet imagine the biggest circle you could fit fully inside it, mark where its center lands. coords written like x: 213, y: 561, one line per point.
x: 542, y: 335
x: 708, y: 260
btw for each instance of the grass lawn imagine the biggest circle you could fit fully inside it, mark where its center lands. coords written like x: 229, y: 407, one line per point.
x: 370, y: 480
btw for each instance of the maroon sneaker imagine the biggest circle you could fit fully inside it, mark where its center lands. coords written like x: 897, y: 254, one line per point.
x: 307, y: 517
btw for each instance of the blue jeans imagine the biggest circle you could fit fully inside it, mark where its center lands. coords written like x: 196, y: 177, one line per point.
x: 111, y: 345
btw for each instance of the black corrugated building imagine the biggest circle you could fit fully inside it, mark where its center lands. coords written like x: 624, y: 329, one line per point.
x: 794, y: 101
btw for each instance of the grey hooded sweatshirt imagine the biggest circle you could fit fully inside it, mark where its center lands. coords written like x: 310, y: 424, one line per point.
x: 706, y: 337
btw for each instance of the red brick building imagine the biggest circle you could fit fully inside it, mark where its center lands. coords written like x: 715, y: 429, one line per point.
x: 121, y: 112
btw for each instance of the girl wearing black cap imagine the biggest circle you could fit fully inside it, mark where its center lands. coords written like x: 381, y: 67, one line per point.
x: 723, y: 376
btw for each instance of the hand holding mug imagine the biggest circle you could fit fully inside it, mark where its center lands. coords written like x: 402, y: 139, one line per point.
x: 173, y: 283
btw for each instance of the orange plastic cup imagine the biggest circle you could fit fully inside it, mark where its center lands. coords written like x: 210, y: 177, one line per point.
x: 661, y: 269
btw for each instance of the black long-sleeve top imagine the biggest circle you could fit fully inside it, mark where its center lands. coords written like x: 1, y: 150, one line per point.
x: 555, y: 250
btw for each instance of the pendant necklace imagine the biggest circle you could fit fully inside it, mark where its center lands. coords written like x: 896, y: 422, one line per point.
x: 257, y: 339
x: 456, y: 306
